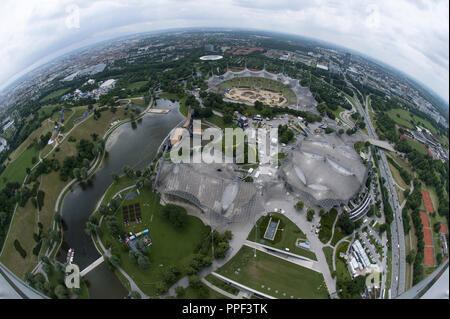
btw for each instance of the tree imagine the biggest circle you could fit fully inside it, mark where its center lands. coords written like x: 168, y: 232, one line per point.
x: 411, y: 257
x: 115, y: 261
x: 132, y: 256
x: 86, y: 163
x: 383, y: 228
x: 128, y: 171
x: 195, y: 282
x: 299, y: 206
x: 143, y: 261
x: 54, y: 235
x: 47, y: 268
x: 3, y: 219
x: 221, y: 249
x: 77, y: 173
x: 310, y: 214
x: 180, y: 291
x: 227, y: 118
x: 115, y: 177
x: 437, y: 227
x: 345, y: 223
x: 135, y: 295
x: 103, y: 209
x: 94, y: 136
x: 176, y: 215
x: 61, y: 292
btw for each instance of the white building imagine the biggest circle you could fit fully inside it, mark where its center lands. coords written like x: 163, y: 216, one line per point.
x: 3, y: 144
x: 108, y: 84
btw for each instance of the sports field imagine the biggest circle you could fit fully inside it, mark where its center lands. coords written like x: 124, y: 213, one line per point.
x: 427, y: 201
x: 274, y: 276
x: 428, y: 249
x: 267, y: 89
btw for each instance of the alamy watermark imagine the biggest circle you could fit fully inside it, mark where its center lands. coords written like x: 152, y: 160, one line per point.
x: 231, y: 145
x: 72, y: 20
x: 72, y: 279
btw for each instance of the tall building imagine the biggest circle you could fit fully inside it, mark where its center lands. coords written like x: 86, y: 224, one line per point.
x: 347, y: 58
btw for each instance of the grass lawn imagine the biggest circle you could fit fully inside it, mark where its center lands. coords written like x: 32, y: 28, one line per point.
x: 417, y: 146
x: 76, y: 113
x: 170, y: 246
x: 51, y: 184
x: 191, y: 293
x: 85, y: 129
x: 46, y: 126
x: 275, y: 274
x: 22, y: 226
x: 218, y: 121
x: 341, y: 266
x: 328, y: 252
x: 136, y: 85
x: 222, y: 284
x: 337, y: 112
x: 389, y: 274
x: 400, y: 195
x: 402, y: 162
x: 337, y: 236
x: 428, y: 271
x: 286, y: 237
x: 408, y: 272
x: 396, y: 174
x: 401, y: 117
x: 326, y: 226
x: 138, y: 102
x: 52, y: 95
x: 16, y: 171
x: 404, y: 118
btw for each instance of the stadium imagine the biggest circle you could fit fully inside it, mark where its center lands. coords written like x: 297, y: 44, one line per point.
x: 324, y: 170
x: 213, y: 189
x: 250, y: 85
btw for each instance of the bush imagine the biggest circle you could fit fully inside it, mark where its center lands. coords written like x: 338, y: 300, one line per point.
x: 19, y: 248
x: 299, y: 206
x: 310, y: 214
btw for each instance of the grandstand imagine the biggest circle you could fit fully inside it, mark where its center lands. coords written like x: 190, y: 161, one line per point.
x: 325, y: 171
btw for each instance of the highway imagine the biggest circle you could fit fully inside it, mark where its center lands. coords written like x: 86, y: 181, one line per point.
x: 397, y: 234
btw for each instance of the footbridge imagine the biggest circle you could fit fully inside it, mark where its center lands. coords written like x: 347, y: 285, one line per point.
x: 382, y: 144
x: 86, y: 270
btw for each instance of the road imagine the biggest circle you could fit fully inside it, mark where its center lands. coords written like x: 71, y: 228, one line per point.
x: 397, y: 234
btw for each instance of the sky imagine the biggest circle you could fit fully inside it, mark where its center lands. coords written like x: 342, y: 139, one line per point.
x: 410, y: 35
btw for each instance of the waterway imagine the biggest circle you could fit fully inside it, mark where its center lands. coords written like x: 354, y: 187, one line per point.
x: 133, y: 145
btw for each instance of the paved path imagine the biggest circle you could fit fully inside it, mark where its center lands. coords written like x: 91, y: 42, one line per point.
x: 220, y: 291
x: 337, y: 245
x: 92, y: 266
x: 333, y: 228
x: 295, y: 260
x: 316, y: 246
x: 243, y: 286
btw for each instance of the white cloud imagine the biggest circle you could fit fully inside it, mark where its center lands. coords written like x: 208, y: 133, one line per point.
x: 412, y: 36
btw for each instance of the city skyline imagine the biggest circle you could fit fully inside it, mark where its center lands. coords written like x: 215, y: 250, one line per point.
x: 415, y: 43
